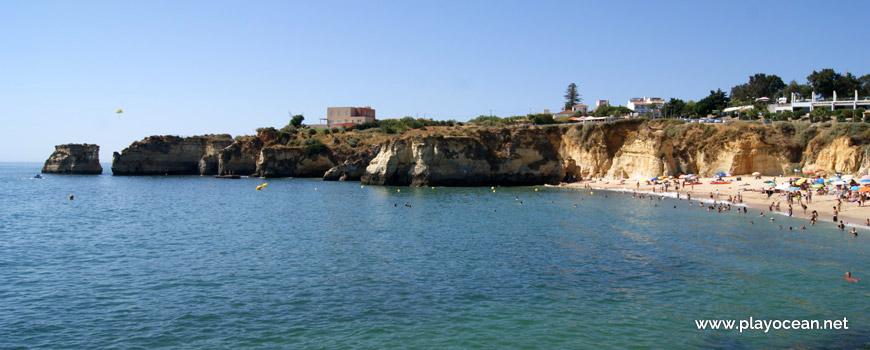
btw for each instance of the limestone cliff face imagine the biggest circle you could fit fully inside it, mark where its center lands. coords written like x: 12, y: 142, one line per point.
x: 841, y: 155
x: 500, y: 157
x: 285, y: 161
x: 172, y: 155
x: 74, y: 159
x: 240, y: 158
x: 353, y: 168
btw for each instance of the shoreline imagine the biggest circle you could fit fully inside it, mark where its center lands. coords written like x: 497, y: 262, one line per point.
x: 850, y: 214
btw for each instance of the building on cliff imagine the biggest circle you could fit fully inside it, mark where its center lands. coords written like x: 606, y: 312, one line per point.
x: 647, y: 106
x: 601, y: 103
x: 347, y: 116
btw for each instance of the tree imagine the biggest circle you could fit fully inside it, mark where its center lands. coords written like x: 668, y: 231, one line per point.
x: 759, y: 85
x: 823, y: 82
x: 572, y: 97
x: 802, y: 90
x: 673, y: 108
x: 845, y: 85
x: 717, y: 100
x: 864, y: 86
x: 296, y: 121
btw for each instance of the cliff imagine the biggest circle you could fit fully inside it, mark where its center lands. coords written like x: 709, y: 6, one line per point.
x: 503, y: 157
x: 517, y: 155
x: 171, y: 155
x: 74, y: 159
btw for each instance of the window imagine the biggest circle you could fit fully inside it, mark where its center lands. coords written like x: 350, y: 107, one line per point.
x: 330, y: 112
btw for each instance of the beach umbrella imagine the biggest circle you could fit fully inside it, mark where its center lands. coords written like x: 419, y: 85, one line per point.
x: 818, y: 186
x: 847, y: 177
x: 819, y: 181
x: 782, y: 186
x: 792, y: 189
x: 838, y: 183
x: 721, y: 175
x: 855, y: 188
x: 654, y: 179
x: 800, y: 181
x: 865, y: 177
x: 863, y: 181
x: 769, y: 184
x: 864, y: 189
x: 683, y: 176
x: 809, y: 172
x: 756, y: 173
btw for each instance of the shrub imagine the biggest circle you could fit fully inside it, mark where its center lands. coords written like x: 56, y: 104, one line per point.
x: 316, y: 148
x: 312, y: 132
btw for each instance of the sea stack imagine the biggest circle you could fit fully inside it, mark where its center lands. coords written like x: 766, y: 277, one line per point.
x: 74, y: 158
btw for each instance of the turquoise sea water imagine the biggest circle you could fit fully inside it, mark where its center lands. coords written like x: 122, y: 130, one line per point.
x: 197, y: 262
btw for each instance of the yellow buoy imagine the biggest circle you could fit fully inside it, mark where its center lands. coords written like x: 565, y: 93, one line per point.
x: 362, y: 186
x: 433, y: 187
x: 71, y: 197
x: 536, y: 190
x: 492, y: 188
x: 265, y: 184
x: 259, y: 188
x: 493, y: 191
x: 398, y: 190
x: 590, y: 192
x: 119, y: 111
x: 315, y: 188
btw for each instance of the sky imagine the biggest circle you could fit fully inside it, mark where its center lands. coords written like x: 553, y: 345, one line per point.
x: 198, y: 67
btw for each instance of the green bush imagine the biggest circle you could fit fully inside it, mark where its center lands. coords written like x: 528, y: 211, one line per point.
x: 312, y: 132
x: 316, y: 148
x: 541, y: 119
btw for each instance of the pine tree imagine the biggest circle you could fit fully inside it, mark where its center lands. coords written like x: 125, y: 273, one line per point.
x: 571, y: 96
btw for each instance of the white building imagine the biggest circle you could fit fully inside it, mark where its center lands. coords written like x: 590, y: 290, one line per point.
x: 646, y: 106
x: 580, y: 108
x: 809, y: 105
x: 600, y: 103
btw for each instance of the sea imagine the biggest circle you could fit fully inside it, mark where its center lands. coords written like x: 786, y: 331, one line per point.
x: 195, y: 262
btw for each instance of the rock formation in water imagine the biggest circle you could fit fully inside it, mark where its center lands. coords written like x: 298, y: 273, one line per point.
x: 505, y: 157
x: 74, y: 158
x: 171, y: 155
x: 285, y: 161
x: 519, y: 155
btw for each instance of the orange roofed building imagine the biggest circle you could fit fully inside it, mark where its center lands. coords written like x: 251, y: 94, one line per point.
x: 347, y: 116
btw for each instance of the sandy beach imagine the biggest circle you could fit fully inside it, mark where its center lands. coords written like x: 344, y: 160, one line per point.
x: 753, y: 197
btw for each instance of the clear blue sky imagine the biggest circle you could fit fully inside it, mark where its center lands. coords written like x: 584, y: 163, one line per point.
x: 194, y: 67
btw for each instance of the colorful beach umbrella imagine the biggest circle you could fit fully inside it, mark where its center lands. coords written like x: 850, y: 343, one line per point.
x: 863, y: 181
x: 865, y: 177
x: 800, y: 181
x: 819, y: 181
x: 782, y: 186
x: 864, y: 189
x: 756, y: 173
x: 792, y: 189
x: 855, y: 188
x: 838, y: 183
x: 818, y: 186
x: 721, y: 175
x: 769, y: 184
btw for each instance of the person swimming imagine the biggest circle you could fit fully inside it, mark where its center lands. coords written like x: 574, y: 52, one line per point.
x: 854, y: 232
x: 849, y: 277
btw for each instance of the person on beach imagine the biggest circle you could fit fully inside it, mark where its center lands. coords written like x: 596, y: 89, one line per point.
x: 835, y: 214
x: 803, y: 227
x: 867, y: 223
x: 841, y: 226
x: 771, y: 219
x: 849, y: 277
x: 854, y: 232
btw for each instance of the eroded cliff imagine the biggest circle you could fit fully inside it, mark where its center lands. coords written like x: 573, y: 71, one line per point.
x: 74, y: 159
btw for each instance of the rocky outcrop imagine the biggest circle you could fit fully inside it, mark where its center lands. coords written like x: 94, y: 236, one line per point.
x: 171, y: 155
x: 240, y: 158
x: 500, y: 157
x: 74, y: 158
x: 285, y: 161
x: 353, y: 168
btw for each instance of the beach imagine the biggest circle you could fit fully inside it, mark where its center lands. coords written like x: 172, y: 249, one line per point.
x: 751, y: 188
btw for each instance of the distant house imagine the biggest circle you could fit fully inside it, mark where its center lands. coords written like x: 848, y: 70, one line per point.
x: 563, y: 114
x: 347, y: 116
x: 647, y: 106
x: 581, y: 108
x: 601, y: 103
